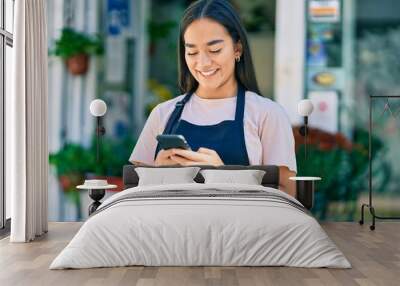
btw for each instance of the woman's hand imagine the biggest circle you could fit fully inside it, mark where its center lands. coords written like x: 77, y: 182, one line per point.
x: 203, y: 156
x: 164, y: 158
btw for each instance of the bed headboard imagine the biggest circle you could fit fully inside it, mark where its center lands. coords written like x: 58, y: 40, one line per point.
x: 270, y: 179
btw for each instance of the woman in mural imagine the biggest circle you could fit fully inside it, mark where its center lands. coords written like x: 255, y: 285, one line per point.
x: 221, y: 113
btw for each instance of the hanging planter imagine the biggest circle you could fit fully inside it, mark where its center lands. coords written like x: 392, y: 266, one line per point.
x: 75, y: 48
x: 78, y: 64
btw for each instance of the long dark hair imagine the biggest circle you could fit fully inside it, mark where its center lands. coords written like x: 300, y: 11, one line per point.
x: 222, y: 12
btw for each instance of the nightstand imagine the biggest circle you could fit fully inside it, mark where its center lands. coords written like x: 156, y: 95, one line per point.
x: 305, y: 187
x: 97, y: 190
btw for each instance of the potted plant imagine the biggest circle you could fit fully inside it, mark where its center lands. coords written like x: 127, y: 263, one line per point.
x: 75, y: 163
x: 72, y: 162
x: 343, y: 166
x: 75, y: 47
x: 114, y: 154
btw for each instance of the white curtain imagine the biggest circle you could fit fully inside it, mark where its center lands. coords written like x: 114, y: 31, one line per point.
x: 26, y: 123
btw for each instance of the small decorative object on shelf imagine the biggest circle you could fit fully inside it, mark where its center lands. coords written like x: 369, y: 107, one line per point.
x: 393, y: 114
x: 97, y: 190
x: 305, y: 187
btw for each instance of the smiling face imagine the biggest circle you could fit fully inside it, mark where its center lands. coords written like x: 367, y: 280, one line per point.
x: 210, y: 54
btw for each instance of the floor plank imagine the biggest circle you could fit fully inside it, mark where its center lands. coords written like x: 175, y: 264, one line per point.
x: 374, y: 255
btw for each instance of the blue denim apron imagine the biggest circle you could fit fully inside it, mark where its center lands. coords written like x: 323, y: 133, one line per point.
x: 226, y: 137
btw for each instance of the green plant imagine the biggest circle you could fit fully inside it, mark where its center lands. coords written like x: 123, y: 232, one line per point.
x: 342, y: 165
x: 71, y: 159
x: 73, y: 43
x: 159, y: 30
x: 114, y: 154
x: 74, y: 162
x: 74, y: 159
x: 257, y: 15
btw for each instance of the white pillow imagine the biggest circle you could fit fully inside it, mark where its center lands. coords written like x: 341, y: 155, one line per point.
x: 166, y: 176
x: 249, y: 177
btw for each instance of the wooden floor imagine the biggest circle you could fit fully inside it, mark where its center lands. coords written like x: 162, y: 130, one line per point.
x: 374, y: 255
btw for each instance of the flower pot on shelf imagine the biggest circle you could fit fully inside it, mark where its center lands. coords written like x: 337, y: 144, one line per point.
x: 114, y: 180
x: 70, y: 181
x: 78, y: 64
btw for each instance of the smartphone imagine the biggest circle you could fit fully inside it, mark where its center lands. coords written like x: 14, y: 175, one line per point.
x: 172, y: 141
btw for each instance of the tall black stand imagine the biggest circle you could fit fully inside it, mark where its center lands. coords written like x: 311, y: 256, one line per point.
x: 305, y: 193
x: 100, y: 131
x: 96, y: 195
x: 369, y: 205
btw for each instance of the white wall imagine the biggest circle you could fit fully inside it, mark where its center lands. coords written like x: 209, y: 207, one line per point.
x: 289, y: 55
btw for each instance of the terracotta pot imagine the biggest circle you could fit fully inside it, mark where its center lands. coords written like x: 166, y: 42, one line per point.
x: 116, y: 181
x: 78, y: 64
x: 152, y: 49
x: 70, y: 181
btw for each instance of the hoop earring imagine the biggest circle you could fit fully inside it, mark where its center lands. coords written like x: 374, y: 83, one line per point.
x: 237, y: 59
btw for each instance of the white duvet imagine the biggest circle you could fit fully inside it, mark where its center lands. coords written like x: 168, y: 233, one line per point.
x: 181, y: 231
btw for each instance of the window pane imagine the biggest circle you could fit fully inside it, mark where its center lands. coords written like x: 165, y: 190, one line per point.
x: 9, y: 60
x: 9, y: 15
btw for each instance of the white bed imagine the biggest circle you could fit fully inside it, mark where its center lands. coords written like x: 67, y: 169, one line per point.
x: 250, y: 225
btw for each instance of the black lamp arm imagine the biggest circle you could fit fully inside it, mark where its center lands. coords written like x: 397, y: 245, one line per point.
x: 303, y: 129
x: 303, y: 132
x: 100, y: 131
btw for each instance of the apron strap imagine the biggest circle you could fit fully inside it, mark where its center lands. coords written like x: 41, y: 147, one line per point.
x: 240, y: 101
x: 173, y: 120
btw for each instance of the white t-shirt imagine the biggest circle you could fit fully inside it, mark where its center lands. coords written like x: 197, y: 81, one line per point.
x: 267, y: 130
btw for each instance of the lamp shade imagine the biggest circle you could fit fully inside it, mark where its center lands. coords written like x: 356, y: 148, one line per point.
x: 305, y: 107
x: 98, y: 107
